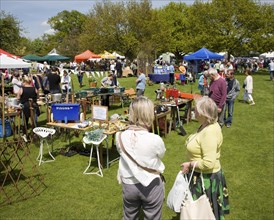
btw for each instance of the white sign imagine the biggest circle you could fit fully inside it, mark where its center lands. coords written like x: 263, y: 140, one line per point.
x: 100, y: 113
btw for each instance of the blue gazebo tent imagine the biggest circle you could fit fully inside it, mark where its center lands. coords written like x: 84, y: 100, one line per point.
x: 203, y: 54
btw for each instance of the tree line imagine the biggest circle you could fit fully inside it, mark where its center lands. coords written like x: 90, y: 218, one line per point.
x: 136, y: 29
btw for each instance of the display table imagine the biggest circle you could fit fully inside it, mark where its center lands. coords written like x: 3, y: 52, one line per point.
x: 75, y: 126
x: 187, y: 103
x: 161, y: 116
x: 157, y: 78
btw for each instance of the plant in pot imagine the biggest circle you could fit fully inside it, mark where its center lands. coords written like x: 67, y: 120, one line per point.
x: 92, y: 81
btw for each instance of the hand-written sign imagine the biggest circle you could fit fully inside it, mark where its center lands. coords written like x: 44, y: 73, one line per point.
x: 100, y: 113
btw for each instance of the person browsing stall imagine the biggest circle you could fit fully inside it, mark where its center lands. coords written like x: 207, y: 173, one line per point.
x: 218, y: 92
x: 106, y: 82
x: 16, y: 82
x: 54, y: 80
x: 28, y: 91
x: 142, y: 189
x: 66, y: 82
x: 140, y: 83
x: 204, y: 148
x: 233, y: 90
x: 203, y: 83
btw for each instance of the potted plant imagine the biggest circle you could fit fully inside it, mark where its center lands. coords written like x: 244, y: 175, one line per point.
x: 92, y: 81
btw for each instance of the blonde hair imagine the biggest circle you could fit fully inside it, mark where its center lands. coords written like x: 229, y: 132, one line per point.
x: 27, y: 79
x: 141, y: 112
x: 207, y: 108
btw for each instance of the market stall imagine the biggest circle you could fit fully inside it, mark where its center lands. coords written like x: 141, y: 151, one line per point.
x: 85, y: 56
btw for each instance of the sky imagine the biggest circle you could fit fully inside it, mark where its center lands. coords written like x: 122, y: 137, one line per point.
x: 34, y: 14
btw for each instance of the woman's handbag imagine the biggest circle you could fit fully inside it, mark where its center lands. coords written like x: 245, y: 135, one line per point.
x: 179, y: 192
x: 198, y: 209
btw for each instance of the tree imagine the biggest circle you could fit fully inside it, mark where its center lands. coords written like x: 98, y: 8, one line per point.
x: 173, y: 26
x: 10, y: 32
x: 38, y: 47
x: 232, y: 26
x: 104, y: 27
x: 68, y: 27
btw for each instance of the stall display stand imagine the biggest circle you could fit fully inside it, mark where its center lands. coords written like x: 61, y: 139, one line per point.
x: 3, y: 104
x: 19, y: 176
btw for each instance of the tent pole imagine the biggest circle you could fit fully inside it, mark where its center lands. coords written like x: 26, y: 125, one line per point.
x: 3, y: 105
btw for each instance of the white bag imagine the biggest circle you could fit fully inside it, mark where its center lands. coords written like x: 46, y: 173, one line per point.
x: 199, y: 209
x: 180, y: 191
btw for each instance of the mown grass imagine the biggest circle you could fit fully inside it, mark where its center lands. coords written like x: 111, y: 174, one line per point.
x: 247, y: 160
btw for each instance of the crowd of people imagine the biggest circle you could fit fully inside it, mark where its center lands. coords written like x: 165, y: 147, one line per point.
x: 140, y: 177
x: 141, y: 152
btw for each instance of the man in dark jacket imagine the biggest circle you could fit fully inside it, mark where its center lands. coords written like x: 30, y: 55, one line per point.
x: 118, y: 68
x: 54, y: 80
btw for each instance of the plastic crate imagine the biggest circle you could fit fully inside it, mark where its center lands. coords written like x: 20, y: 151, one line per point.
x: 66, y: 112
x: 8, y: 131
x: 187, y: 96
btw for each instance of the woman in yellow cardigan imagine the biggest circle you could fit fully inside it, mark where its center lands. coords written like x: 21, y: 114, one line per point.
x: 204, y: 147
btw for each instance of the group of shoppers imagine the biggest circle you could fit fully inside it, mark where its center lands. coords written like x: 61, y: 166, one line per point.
x: 223, y: 88
x: 141, y: 165
x: 141, y: 152
x: 26, y: 87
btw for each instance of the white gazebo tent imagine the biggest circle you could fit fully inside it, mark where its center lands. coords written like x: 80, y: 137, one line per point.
x: 267, y: 55
x: 118, y: 55
x: 9, y: 63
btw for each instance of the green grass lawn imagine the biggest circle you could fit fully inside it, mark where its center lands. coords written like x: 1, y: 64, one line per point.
x: 247, y: 160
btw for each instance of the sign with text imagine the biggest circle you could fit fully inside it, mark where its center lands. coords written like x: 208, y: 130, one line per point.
x: 100, y: 113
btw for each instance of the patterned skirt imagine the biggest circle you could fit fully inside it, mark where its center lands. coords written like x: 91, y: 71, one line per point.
x: 216, y: 190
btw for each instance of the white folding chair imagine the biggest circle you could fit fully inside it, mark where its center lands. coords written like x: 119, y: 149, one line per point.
x: 97, y: 144
x: 43, y: 133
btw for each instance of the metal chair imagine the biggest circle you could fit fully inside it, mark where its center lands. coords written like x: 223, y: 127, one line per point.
x: 43, y: 133
x: 97, y: 144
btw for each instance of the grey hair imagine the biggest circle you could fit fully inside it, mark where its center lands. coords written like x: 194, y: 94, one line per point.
x: 207, y: 108
x: 141, y: 112
x: 206, y: 73
x: 213, y: 71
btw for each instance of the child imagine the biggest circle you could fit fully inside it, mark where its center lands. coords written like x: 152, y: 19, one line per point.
x: 248, y: 87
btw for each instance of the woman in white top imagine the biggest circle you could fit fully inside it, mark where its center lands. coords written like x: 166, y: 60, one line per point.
x: 248, y: 87
x: 66, y: 82
x: 142, y: 189
x: 16, y: 82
